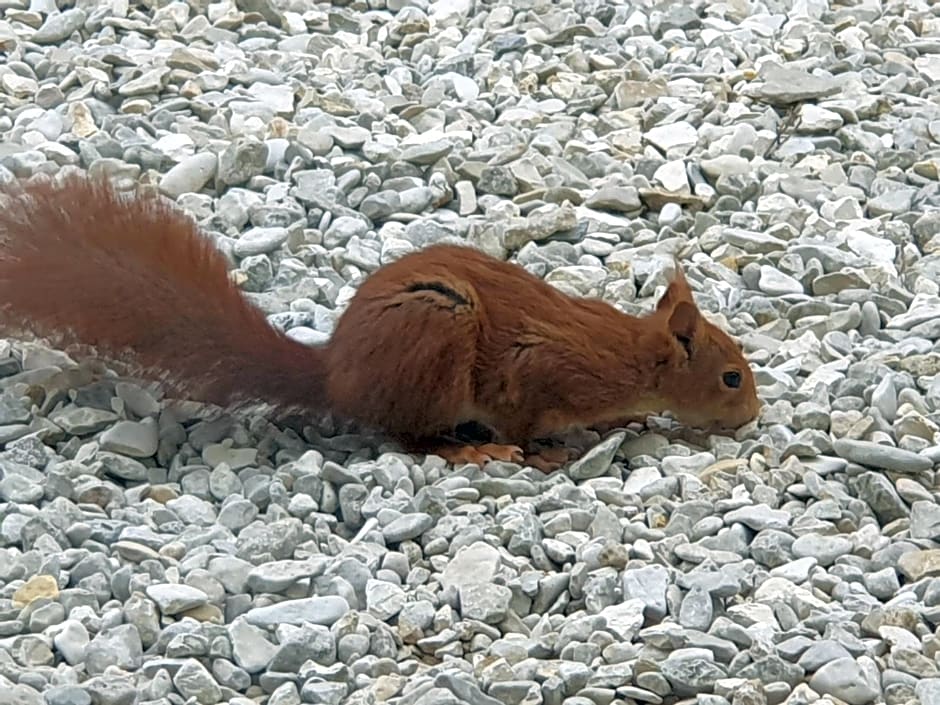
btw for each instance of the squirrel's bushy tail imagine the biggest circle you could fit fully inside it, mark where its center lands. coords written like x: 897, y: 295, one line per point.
x: 132, y: 280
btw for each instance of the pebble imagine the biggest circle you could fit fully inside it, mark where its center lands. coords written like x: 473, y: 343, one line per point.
x: 776, y: 283
x: 120, y: 646
x: 190, y: 175
x: 918, y: 564
x: 323, y: 610
x: 174, y: 599
x: 881, y: 457
x: 845, y: 679
x: 407, y: 527
x: 476, y: 563
x: 596, y: 461
x: 484, y: 602
x: 59, y: 26
x: 260, y: 241
x: 38, y: 587
x: 384, y: 600
x: 782, y: 85
x: 192, y: 680
x: 825, y: 549
x: 677, y: 136
x: 138, y: 439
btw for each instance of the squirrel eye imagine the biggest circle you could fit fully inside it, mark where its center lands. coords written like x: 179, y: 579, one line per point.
x: 732, y: 379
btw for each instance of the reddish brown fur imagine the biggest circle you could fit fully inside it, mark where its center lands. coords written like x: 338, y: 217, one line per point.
x: 133, y: 280
x: 519, y: 355
x: 442, y: 336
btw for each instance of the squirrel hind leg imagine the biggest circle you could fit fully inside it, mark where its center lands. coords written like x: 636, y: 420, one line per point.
x: 549, y: 459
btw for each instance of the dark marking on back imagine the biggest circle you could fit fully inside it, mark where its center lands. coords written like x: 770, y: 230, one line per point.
x: 441, y: 289
x: 520, y: 346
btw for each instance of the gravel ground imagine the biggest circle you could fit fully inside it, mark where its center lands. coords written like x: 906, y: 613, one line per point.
x: 788, y: 152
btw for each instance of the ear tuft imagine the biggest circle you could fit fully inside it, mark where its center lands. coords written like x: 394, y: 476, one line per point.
x: 678, y: 290
x: 683, y: 324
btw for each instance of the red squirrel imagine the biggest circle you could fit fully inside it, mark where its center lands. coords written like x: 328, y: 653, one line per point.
x: 438, y: 338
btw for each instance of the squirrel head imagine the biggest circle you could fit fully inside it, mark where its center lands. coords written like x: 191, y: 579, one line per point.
x: 710, y: 384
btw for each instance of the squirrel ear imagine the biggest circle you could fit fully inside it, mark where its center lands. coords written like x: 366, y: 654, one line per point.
x: 683, y: 324
x: 678, y: 290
